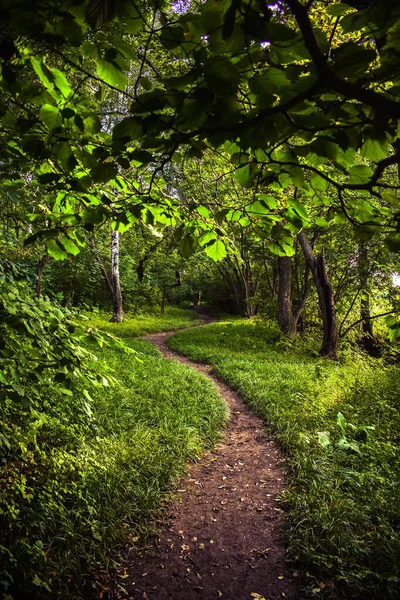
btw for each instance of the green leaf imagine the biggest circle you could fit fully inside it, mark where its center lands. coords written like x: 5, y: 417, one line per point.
x: 67, y: 113
x: 323, y: 439
x: 270, y: 201
x: 51, y: 116
x: 298, y: 208
x: 56, y: 251
x: 344, y: 444
x: 65, y: 391
x: 146, y: 83
x: 64, y: 155
x: 319, y: 183
x: 257, y: 208
x: 111, y: 73
x: 187, y: 245
x: 91, y: 124
x: 392, y: 242
x: 69, y: 245
x: 203, y: 212
x: 360, y: 174
x: 341, y: 421
x: 104, y: 172
x: 374, y: 149
x: 129, y: 129
x: 216, y: 250
x: 391, y: 198
x: 245, y: 175
x: 206, y: 237
x: 141, y: 156
x: 338, y: 9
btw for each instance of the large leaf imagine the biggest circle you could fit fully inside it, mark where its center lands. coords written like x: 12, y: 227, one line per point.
x: 51, y: 116
x: 111, y: 73
x: 187, y: 245
x: 216, y: 250
x: 375, y: 149
x: 360, y: 174
x: 338, y: 9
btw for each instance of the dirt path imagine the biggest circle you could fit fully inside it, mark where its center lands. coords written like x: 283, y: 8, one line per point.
x: 223, y: 536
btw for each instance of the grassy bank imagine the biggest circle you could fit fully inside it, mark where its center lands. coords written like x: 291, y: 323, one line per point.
x: 83, y: 477
x: 339, y: 423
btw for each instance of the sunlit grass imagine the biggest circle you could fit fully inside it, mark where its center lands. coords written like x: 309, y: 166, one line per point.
x: 344, y: 503
x: 141, y: 324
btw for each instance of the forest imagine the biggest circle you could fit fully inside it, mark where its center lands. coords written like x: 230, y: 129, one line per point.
x: 233, y: 164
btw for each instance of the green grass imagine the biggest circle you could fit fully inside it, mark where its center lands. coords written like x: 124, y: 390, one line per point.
x: 82, y: 487
x: 344, y: 498
x: 138, y: 325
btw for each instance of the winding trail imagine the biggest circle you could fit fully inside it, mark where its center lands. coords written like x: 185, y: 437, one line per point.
x: 223, y: 537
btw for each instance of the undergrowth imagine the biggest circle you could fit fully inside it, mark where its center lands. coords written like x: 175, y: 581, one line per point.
x: 83, y: 476
x: 339, y: 422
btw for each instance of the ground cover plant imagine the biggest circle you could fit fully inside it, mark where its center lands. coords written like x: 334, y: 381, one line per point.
x: 149, y: 322
x: 339, y: 423
x: 82, y: 475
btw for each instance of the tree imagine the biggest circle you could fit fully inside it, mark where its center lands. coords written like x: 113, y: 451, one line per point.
x: 118, y: 314
x: 326, y: 301
x: 287, y: 319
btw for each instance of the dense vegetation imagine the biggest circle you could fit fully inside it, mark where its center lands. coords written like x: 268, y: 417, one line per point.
x: 245, y: 153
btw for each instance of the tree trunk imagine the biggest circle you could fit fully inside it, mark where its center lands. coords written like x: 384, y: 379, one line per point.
x: 118, y: 314
x: 102, y: 268
x: 325, y: 297
x: 41, y: 266
x: 286, y: 320
x: 368, y: 340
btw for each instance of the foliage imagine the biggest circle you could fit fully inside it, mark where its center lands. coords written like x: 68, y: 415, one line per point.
x: 42, y: 348
x: 75, y: 487
x: 267, y: 87
x: 339, y: 424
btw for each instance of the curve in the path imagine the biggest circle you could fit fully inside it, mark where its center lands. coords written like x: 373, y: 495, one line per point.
x: 223, y: 537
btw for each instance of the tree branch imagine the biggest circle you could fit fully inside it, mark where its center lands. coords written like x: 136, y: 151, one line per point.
x: 328, y: 76
x: 390, y: 312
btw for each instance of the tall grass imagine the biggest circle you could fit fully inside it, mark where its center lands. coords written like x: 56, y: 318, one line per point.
x: 339, y: 423
x: 83, y: 486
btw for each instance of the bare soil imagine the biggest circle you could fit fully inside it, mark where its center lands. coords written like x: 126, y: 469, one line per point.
x: 224, y: 533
